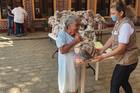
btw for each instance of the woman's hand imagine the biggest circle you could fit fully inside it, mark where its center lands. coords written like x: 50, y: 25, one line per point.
x: 100, y: 57
x: 67, y: 47
x: 99, y: 51
x: 77, y: 38
x: 79, y: 62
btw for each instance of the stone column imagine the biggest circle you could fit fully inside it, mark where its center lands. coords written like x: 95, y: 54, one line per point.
x: 29, y: 8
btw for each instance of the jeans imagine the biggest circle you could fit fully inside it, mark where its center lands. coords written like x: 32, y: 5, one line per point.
x: 10, y: 26
x: 120, y: 78
x: 19, y: 29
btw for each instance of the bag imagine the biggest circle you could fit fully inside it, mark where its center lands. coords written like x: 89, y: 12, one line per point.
x: 85, y: 50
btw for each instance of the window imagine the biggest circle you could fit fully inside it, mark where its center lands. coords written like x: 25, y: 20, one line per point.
x: 43, y: 8
x: 103, y: 7
x: 3, y: 6
x: 61, y: 5
x: 79, y: 5
x: 3, y: 9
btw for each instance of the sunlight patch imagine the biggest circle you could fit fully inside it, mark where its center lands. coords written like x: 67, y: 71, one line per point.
x: 6, y: 44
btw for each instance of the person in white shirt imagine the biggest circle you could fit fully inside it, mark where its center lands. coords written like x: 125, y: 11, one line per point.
x: 19, y: 16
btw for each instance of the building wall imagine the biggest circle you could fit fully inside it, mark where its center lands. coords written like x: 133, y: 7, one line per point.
x: 3, y: 26
x: 28, y: 7
x: 58, y: 5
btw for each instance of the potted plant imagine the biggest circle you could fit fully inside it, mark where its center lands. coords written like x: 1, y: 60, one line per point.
x: 32, y: 29
x: 46, y: 25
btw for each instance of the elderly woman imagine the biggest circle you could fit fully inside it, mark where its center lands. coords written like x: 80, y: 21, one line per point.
x: 65, y: 42
x: 123, y: 43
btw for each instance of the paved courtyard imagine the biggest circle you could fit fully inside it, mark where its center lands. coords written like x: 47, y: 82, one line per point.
x: 26, y: 66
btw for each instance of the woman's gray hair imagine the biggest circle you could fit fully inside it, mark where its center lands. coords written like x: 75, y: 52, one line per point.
x: 71, y: 19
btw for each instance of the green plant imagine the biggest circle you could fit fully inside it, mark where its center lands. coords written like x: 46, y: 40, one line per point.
x: 32, y: 24
x: 45, y: 24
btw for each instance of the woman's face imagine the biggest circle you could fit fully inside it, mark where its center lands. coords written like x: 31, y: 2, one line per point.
x: 73, y: 28
x: 116, y: 15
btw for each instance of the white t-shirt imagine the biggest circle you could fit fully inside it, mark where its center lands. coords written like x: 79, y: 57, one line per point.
x: 19, y: 14
x: 125, y: 32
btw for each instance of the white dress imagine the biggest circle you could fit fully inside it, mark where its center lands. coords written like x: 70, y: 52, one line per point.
x: 66, y: 65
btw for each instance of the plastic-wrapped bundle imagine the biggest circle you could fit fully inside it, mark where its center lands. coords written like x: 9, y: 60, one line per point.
x: 85, y: 50
x: 51, y: 20
x: 87, y: 25
x: 99, y: 18
x: 100, y: 21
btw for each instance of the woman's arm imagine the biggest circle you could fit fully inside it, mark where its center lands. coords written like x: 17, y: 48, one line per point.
x: 119, y: 50
x: 10, y: 13
x: 107, y: 45
x: 65, y: 48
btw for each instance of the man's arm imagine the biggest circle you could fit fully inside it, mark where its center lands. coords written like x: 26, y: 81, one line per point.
x: 25, y: 13
x: 13, y: 11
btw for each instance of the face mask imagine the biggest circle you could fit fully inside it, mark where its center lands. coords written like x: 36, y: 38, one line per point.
x: 114, y: 18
